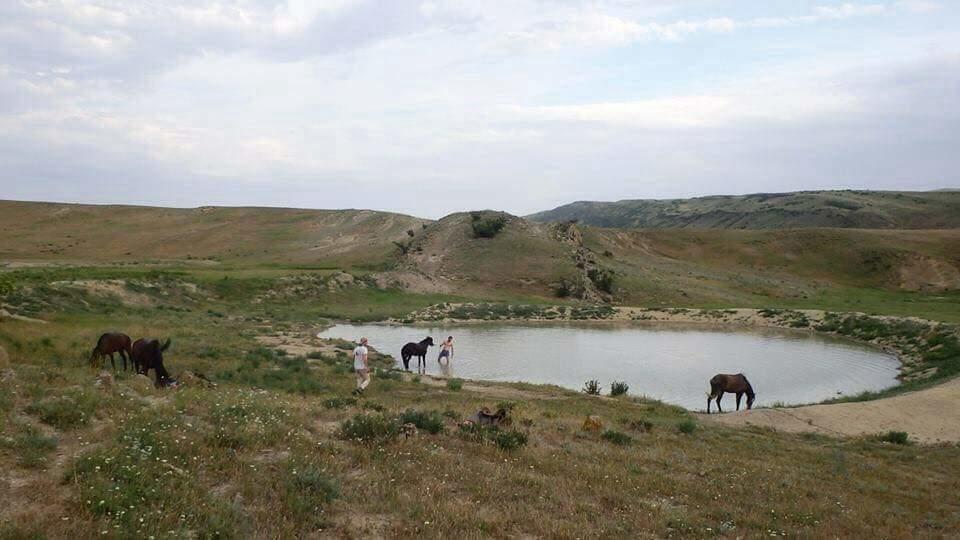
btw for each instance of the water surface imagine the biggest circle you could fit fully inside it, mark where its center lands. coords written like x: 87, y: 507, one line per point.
x: 668, y: 362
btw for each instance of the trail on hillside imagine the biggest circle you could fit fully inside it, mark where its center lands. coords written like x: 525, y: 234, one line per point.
x: 928, y: 416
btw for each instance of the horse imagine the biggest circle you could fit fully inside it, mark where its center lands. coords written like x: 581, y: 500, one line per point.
x: 737, y: 384
x: 108, y: 344
x: 147, y: 354
x: 416, y: 349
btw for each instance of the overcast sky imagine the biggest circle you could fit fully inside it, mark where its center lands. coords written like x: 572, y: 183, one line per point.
x: 433, y: 106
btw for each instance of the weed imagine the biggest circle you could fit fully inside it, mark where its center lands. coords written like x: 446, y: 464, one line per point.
x: 895, y: 437
x: 618, y: 388
x: 370, y: 428
x: 617, y: 437
x: 429, y: 421
x: 687, y: 425
x: 592, y: 387
x: 455, y: 384
x: 67, y: 411
x: 339, y: 402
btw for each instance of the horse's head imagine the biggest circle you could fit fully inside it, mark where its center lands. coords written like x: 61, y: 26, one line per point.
x: 428, y: 342
x: 750, y: 397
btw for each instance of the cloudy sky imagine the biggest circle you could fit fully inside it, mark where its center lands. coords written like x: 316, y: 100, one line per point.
x: 433, y: 106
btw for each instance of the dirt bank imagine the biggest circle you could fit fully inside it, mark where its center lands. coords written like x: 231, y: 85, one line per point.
x: 929, y: 416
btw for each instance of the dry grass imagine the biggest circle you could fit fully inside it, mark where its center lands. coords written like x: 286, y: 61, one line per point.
x: 240, y: 461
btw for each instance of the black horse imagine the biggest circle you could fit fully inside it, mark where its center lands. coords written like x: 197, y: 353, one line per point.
x: 147, y: 354
x: 416, y: 349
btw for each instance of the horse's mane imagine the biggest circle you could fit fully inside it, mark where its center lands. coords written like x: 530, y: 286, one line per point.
x: 425, y: 340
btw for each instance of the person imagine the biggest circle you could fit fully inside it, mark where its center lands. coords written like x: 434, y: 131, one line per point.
x: 361, y: 366
x: 446, y: 351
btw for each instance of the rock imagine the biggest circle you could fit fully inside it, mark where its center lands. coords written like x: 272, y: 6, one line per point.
x: 341, y: 280
x: 104, y: 380
x: 408, y: 430
x: 140, y: 384
x: 593, y: 423
x: 198, y: 380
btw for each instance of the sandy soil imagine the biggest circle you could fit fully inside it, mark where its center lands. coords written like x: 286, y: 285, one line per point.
x: 929, y: 416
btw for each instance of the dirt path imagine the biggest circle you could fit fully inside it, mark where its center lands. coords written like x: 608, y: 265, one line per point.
x: 929, y: 416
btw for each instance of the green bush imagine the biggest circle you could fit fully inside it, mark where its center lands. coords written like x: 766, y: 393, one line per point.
x: 312, y: 484
x: 687, y: 426
x: 617, y: 437
x: 339, y: 402
x: 455, y: 384
x: 602, y: 278
x: 67, y: 411
x: 895, y: 437
x: 370, y: 428
x: 641, y: 425
x: 592, y: 387
x: 488, y: 227
x: 429, y: 421
x: 618, y: 388
x: 510, y: 440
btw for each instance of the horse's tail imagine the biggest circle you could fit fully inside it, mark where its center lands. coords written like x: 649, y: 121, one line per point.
x: 165, y: 346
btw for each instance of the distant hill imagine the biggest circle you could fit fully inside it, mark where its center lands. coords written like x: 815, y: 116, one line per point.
x: 80, y: 232
x: 804, y: 209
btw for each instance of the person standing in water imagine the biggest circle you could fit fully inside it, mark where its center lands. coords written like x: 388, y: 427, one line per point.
x: 361, y: 367
x: 446, y: 354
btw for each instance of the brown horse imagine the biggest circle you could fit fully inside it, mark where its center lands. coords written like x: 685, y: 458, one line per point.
x: 147, y: 354
x: 737, y: 384
x: 108, y: 344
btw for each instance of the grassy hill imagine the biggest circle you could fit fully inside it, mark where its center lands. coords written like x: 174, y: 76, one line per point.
x: 844, y: 209
x: 101, y: 233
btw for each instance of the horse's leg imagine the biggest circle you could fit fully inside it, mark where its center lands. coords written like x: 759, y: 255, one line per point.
x: 719, y: 397
x: 112, y: 363
x: 406, y: 362
x: 739, y: 395
x: 123, y: 355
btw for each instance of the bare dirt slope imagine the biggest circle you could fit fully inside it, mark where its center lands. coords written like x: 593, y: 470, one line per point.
x: 929, y: 416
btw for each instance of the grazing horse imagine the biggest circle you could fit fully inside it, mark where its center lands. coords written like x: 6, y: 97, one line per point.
x: 108, y: 344
x: 147, y: 354
x: 737, y: 384
x: 416, y: 349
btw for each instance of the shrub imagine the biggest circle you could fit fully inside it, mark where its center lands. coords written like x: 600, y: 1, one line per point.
x: 373, y: 406
x: 488, y: 227
x: 592, y: 387
x: 602, y: 278
x: 339, y: 402
x: 370, y: 428
x: 687, y: 426
x: 641, y: 425
x: 617, y: 437
x: 455, y: 384
x: 64, y: 412
x: 510, y: 440
x: 895, y: 437
x: 618, y: 388
x: 31, y: 446
x: 429, y: 421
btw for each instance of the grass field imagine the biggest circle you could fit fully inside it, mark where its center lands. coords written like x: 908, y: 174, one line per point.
x: 279, y: 448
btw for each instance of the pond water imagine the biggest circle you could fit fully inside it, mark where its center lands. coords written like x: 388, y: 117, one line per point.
x: 667, y: 362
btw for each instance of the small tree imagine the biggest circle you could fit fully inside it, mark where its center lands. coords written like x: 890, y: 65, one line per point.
x: 488, y: 227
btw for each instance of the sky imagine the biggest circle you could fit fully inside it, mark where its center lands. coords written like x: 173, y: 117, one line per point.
x: 429, y: 107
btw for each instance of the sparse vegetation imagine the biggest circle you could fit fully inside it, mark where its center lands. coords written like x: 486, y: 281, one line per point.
x: 618, y: 388
x: 617, y: 437
x: 592, y: 387
x: 487, y: 227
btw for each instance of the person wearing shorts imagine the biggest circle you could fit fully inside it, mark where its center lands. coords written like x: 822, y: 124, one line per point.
x: 361, y: 367
x: 446, y: 350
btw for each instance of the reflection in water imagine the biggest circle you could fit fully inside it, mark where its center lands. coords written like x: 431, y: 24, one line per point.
x: 668, y: 362
x: 446, y: 367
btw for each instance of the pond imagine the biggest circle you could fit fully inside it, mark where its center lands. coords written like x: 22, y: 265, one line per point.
x: 667, y: 362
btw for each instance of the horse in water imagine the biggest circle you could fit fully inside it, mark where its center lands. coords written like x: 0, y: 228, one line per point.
x: 147, y: 354
x: 416, y: 349
x: 108, y: 344
x: 737, y: 384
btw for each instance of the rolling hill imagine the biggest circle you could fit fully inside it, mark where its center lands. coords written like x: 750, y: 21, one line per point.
x: 91, y: 233
x: 805, y: 209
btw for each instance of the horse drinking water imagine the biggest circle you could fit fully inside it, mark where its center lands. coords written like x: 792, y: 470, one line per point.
x: 108, y: 344
x: 737, y: 384
x: 416, y: 349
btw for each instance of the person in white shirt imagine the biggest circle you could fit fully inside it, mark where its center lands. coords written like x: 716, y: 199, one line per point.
x: 361, y: 367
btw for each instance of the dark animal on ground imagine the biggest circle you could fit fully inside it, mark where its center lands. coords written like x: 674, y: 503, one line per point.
x: 483, y: 417
x: 147, y: 354
x: 416, y: 349
x: 737, y: 384
x: 108, y: 344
